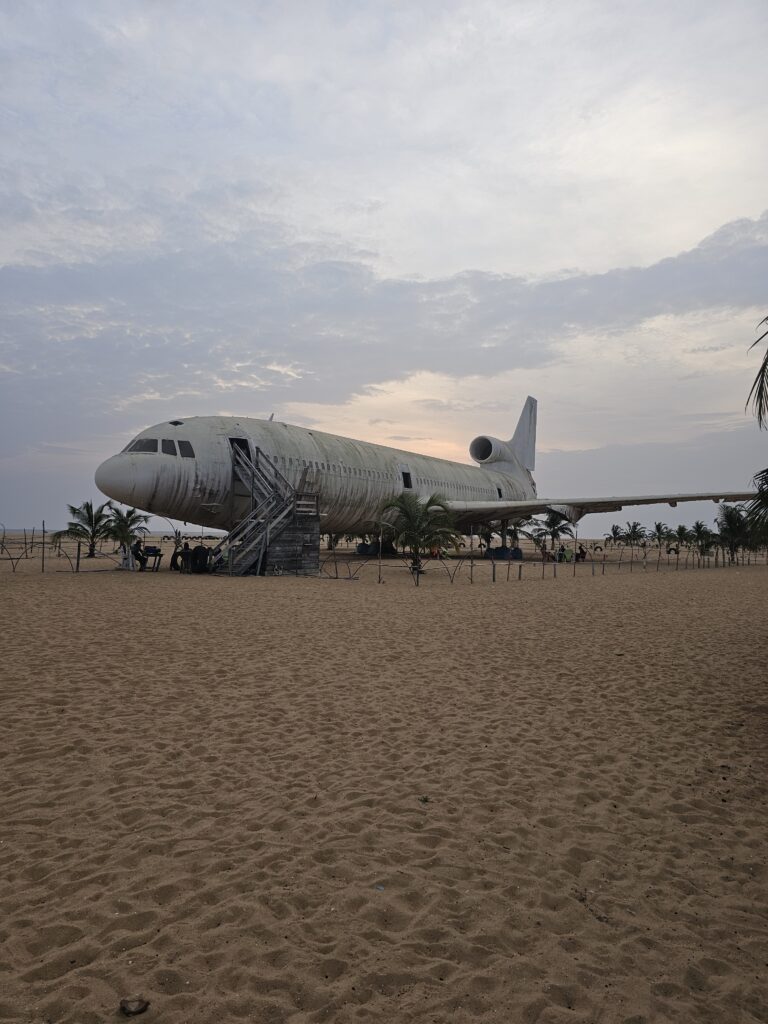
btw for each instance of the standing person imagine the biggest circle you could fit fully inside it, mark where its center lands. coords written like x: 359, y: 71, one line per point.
x: 186, y: 558
x: 137, y: 550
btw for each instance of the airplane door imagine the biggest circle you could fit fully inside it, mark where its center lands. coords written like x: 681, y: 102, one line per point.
x: 240, y: 489
x: 242, y: 443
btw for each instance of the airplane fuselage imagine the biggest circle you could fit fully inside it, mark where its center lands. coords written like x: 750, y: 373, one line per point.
x: 182, y: 469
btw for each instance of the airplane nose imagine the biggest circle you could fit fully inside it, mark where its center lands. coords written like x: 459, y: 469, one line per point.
x: 110, y: 479
x: 123, y: 480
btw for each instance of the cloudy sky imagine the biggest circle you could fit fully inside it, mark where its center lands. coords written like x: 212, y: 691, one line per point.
x: 389, y: 220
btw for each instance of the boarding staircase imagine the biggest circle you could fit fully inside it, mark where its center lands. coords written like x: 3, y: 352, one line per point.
x: 275, y: 505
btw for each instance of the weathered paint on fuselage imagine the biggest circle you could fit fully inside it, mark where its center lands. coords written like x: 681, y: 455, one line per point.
x: 352, y: 478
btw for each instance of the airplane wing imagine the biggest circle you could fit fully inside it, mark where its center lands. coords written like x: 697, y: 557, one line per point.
x: 574, y: 508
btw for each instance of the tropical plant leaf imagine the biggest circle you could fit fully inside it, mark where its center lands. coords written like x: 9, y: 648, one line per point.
x: 758, y: 393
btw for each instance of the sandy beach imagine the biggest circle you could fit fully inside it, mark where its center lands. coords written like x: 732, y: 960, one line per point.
x: 313, y: 800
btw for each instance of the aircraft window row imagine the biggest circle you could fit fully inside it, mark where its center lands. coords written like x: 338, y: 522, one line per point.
x: 168, y: 447
x: 368, y: 474
x: 374, y: 474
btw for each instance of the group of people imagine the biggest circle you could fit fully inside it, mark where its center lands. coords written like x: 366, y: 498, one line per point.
x: 184, y: 559
x: 564, y: 554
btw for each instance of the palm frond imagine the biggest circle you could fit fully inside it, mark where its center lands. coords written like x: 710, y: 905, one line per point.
x: 758, y: 393
x: 757, y: 508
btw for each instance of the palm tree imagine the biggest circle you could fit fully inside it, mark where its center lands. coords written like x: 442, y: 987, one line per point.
x: 701, y: 536
x: 683, y: 536
x: 421, y: 525
x: 759, y: 391
x: 520, y: 528
x: 633, y: 535
x: 734, y: 528
x: 660, y: 534
x: 558, y: 526
x: 87, y: 525
x: 555, y: 526
x: 125, y: 527
x: 614, y: 536
x: 757, y: 509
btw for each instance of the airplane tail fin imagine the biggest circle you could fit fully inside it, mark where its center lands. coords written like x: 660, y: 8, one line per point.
x: 523, y: 442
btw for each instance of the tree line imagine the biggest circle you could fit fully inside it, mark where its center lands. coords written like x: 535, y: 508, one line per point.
x: 736, y: 531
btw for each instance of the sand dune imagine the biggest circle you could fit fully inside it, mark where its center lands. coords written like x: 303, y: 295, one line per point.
x: 314, y: 800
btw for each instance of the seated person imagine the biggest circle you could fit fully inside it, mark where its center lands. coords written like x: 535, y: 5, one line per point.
x: 516, y: 553
x: 137, y: 550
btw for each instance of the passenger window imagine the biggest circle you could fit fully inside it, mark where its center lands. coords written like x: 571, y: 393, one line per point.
x: 144, y: 444
x: 169, y: 447
x: 186, y: 451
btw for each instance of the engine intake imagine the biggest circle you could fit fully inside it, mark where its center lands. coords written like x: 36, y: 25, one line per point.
x: 489, y: 449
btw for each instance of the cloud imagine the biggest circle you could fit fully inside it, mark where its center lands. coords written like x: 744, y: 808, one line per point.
x: 394, y: 218
x: 173, y: 329
x: 515, y: 138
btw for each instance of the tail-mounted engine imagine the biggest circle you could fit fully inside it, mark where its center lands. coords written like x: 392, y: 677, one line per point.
x: 485, y: 450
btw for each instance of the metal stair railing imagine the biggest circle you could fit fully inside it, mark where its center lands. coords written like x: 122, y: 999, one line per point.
x: 262, y: 475
x: 247, y: 557
x: 245, y: 534
x: 273, y: 500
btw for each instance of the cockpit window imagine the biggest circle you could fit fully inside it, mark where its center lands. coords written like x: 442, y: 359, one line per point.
x: 144, y: 444
x: 169, y: 447
x: 186, y: 451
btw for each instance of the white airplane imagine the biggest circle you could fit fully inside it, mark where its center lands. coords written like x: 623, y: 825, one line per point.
x: 214, y: 471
